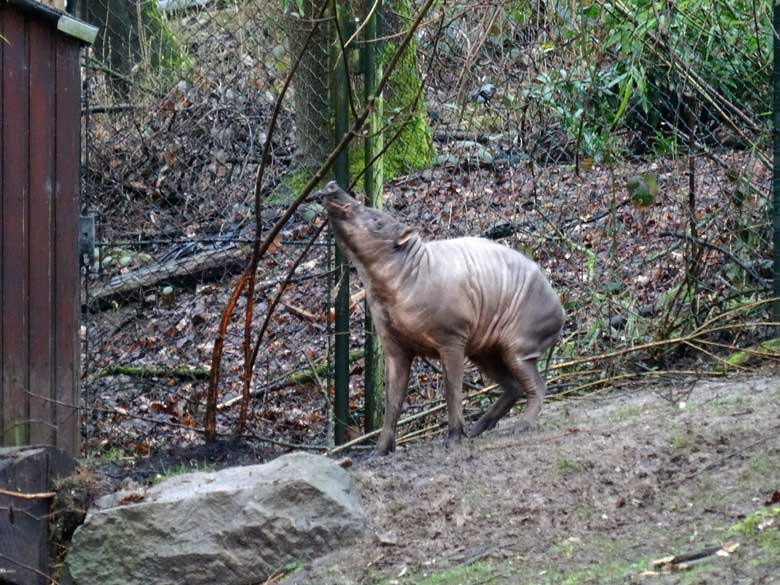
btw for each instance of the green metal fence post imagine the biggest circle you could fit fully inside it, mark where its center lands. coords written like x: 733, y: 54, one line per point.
x: 341, y: 366
x: 373, y: 144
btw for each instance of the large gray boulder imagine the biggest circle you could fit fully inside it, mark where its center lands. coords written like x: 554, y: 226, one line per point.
x: 228, y: 527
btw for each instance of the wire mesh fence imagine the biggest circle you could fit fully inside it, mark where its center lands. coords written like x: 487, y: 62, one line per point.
x: 622, y: 145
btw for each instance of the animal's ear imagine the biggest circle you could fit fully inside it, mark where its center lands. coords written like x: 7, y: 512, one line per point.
x: 405, y: 235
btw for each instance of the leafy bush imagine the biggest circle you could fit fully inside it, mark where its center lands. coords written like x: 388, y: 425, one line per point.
x: 656, y: 71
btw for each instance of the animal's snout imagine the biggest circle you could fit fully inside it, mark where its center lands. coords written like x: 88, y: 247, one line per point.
x: 329, y: 193
x: 332, y: 191
x: 333, y: 196
x: 331, y: 188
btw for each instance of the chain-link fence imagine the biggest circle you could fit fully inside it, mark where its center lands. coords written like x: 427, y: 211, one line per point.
x: 622, y: 145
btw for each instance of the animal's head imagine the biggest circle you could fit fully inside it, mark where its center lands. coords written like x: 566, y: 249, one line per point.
x: 367, y: 233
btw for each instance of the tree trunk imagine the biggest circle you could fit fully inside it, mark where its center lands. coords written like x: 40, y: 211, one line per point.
x: 314, y: 119
x: 313, y: 115
x: 414, y: 148
x: 133, y: 32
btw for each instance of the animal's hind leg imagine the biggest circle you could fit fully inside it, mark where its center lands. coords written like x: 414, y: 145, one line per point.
x: 495, y: 369
x: 526, y: 373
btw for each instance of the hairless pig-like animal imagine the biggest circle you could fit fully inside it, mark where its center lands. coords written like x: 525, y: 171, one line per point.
x: 451, y: 299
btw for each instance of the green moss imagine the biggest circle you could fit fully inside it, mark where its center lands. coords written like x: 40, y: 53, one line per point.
x: 165, y: 54
x: 567, y: 466
x: 680, y: 441
x: 413, y: 149
x: 766, y: 522
x: 180, y: 373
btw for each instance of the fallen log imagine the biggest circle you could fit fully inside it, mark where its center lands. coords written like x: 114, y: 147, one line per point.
x: 203, y: 267
x: 180, y: 373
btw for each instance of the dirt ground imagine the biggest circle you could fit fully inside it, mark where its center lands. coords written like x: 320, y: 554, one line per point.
x: 603, y: 487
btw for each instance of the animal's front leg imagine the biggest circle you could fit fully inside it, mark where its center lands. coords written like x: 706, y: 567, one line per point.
x: 397, y: 365
x: 452, y: 363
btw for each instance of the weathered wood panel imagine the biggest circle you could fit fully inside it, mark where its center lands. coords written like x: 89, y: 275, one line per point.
x: 41, y: 235
x: 2, y: 223
x: 39, y: 208
x: 67, y: 365
x: 16, y: 85
x: 39, y: 275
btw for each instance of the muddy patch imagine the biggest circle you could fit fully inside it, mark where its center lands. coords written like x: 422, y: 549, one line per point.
x: 603, y: 488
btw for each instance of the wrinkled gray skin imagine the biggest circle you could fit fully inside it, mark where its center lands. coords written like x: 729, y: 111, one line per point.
x: 449, y: 299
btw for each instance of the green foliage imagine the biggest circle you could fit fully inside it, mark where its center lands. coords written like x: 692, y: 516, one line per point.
x: 762, y: 525
x: 293, y: 7
x: 564, y: 92
x: 680, y: 441
x: 642, y: 84
x: 164, y: 54
x: 769, y: 347
x: 642, y: 189
x: 95, y: 459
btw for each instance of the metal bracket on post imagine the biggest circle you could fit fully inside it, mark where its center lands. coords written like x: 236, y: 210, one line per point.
x: 87, y: 240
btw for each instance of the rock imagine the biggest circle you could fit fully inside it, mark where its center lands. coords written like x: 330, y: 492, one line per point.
x: 232, y: 526
x: 617, y: 322
x: 647, y: 310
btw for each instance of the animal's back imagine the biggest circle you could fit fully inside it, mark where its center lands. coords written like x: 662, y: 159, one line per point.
x: 501, y: 294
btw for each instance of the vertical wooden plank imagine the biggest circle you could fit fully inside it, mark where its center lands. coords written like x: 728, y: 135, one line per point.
x: 67, y: 311
x: 4, y: 8
x: 40, y: 244
x: 16, y: 85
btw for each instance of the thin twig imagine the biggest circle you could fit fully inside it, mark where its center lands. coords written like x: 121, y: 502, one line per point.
x: 48, y: 578
x: 748, y: 270
x: 23, y: 496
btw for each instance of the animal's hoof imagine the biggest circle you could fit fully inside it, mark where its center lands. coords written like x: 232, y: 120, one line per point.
x: 383, y: 448
x: 475, y: 431
x: 480, y: 427
x: 454, y: 438
x: 524, y: 426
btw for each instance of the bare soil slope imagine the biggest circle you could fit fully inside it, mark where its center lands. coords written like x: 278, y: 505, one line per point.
x: 603, y: 488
